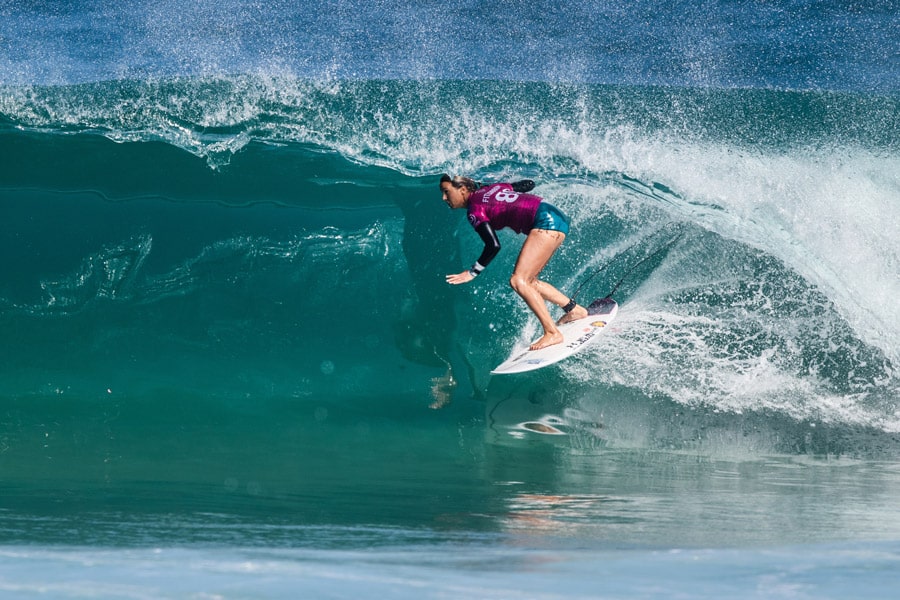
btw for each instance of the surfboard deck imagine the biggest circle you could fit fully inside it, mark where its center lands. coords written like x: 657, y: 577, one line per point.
x: 577, y: 335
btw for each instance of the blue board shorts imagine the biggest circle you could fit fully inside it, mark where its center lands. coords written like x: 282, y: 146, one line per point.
x: 551, y: 218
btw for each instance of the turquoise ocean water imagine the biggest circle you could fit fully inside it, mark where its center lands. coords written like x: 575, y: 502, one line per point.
x: 230, y: 365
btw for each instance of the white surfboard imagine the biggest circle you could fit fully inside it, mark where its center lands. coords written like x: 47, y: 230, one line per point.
x: 577, y: 335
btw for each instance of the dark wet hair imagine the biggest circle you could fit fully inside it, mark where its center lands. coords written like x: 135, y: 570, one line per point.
x: 459, y: 181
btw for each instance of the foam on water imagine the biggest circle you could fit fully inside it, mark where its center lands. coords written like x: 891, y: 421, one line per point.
x: 829, y: 571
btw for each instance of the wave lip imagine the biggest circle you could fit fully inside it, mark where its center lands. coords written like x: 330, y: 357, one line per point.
x: 420, y: 127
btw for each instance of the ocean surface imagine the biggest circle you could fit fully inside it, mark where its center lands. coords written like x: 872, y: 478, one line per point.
x: 230, y: 366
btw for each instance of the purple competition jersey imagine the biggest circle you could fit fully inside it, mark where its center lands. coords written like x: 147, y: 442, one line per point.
x: 501, y: 206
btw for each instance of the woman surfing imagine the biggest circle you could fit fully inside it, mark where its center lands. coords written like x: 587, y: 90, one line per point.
x: 500, y: 205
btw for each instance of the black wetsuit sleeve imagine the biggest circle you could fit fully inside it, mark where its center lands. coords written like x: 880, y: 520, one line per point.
x: 491, y: 243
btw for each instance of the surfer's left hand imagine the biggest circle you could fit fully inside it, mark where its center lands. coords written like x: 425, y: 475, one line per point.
x: 464, y: 277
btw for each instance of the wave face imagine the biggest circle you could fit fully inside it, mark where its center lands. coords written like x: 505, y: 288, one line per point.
x: 266, y: 236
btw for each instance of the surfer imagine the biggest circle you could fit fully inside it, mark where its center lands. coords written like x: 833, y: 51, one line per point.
x: 502, y: 205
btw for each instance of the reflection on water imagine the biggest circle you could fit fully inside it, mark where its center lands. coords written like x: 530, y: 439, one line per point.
x: 610, y: 468
x: 537, y: 469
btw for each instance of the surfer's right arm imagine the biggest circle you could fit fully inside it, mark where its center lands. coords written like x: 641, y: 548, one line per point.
x: 491, y: 248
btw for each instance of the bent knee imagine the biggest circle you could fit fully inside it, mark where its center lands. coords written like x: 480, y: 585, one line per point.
x: 520, y: 282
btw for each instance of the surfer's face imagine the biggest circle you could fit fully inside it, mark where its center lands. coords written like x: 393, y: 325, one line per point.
x: 453, y: 196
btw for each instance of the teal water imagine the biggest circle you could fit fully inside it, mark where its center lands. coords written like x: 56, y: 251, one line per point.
x: 230, y: 365
x: 224, y: 351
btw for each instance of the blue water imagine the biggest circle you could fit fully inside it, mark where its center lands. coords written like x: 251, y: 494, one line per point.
x: 230, y: 365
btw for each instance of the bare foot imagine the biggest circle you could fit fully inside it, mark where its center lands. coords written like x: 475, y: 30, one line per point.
x: 579, y: 312
x: 548, y: 339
